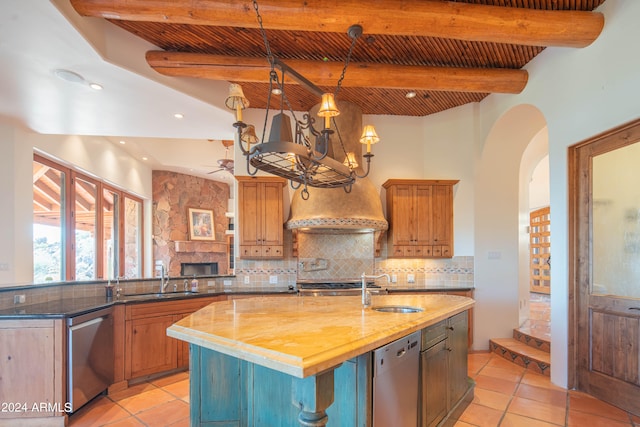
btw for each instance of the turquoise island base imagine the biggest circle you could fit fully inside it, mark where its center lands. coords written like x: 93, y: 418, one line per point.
x: 298, y: 361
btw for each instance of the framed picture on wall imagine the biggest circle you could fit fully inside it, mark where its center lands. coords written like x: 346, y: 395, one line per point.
x: 201, y: 224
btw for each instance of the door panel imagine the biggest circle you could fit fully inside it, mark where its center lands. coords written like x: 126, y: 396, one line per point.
x: 606, y: 259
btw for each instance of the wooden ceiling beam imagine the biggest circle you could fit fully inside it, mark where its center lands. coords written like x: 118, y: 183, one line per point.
x: 53, y: 195
x: 462, y: 21
x: 321, y: 73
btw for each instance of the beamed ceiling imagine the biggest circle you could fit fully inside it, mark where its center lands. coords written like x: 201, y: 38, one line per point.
x: 449, y: 52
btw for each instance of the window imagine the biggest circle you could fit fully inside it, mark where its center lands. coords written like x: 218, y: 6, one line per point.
x: 83, y: 229
x: 49, y: 202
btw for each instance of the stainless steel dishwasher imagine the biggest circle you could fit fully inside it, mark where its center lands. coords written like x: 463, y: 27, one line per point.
x: 90, y: 356
x: 395, y: 383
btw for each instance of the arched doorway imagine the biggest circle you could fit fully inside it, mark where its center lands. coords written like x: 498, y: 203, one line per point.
x: 501, y: 217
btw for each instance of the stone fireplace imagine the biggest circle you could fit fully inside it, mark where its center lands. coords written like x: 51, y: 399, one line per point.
x: 173, y: 195
x: 198, y: 268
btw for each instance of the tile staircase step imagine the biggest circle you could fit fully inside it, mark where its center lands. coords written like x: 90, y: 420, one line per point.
x: 522, y: 354
x: 526, y: 336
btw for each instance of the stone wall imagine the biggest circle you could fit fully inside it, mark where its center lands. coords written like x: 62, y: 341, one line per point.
x: 173, y: 195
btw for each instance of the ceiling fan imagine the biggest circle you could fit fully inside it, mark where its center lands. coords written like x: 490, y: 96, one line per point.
x: 226, y: 164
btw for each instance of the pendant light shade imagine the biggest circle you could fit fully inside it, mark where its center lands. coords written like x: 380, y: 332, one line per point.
x: 350, y: 160
x: 369, y: 136
x: 328, y: 109
x: 236, y: 100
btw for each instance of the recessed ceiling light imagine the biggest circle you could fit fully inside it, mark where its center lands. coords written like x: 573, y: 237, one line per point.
x: 410, y: 94
x: 68, y: 76
x: 145, y: 158
x: 95, y: 86
x: 178, y: 115
x: 123, y: 142
x: 276, y: 91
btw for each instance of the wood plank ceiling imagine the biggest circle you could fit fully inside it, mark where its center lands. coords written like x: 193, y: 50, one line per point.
x: 449, y: 53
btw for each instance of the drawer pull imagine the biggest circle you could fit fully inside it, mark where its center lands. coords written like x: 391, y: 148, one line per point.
x: 634, y: 308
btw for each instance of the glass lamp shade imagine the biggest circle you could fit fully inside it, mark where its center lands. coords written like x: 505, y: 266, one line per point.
x: 328, y: 109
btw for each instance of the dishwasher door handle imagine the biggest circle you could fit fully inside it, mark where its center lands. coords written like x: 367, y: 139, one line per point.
x: 86, y: 324
x: 401, y: 352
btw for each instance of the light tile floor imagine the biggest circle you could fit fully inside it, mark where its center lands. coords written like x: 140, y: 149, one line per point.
x: 161, y: 402
x: 506, y: 395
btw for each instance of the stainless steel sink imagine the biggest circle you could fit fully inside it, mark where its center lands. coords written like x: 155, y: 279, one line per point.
x: 397, y: 309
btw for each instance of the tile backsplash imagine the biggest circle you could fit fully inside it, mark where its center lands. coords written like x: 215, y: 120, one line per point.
x: 335, y: 256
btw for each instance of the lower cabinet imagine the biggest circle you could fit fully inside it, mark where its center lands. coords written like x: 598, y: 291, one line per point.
x: 32, y: 372
x: 443, y: 368
x: 148, y: 349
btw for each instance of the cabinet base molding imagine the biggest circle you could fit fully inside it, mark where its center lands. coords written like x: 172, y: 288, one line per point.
x: 119, y: 386
x: 456, y: 412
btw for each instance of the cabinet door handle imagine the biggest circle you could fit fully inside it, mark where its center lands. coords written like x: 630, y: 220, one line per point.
x: 449, y: 349
x: 450, y: 328
x: 634, y: 308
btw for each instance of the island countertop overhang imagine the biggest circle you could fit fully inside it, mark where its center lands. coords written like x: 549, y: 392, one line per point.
x: 305, y: 336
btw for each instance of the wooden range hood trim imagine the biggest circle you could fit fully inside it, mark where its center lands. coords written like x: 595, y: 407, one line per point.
x: 245, y: 69
x: 462, y: 21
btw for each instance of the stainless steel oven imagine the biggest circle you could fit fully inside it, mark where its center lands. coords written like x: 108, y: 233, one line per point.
x: 336, y: 288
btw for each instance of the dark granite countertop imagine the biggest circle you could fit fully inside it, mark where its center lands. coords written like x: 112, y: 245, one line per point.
x: 59, y: 308
x: 69, y: 307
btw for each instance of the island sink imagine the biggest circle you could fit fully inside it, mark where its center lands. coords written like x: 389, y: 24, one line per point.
x: 397, y: 309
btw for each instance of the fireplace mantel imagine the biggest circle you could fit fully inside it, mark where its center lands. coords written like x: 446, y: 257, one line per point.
x: 191, y: 246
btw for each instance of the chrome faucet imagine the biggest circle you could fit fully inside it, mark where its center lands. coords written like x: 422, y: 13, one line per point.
x: 366, y: 295
x: 164, y: 279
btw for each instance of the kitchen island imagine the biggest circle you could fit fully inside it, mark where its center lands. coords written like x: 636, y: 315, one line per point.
x: 296, y: 361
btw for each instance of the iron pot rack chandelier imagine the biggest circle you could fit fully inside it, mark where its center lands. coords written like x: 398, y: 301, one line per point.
x: 305, y: 159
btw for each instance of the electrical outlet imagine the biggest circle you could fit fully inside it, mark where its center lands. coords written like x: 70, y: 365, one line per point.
x: 247, y: 280
x: 273, y: 279
x: 411, y: 278
x: 19, y: 299
x: 394, y: 278
x: 4, y: 266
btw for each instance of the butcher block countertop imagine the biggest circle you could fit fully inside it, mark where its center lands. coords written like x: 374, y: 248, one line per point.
x: 303, y: 336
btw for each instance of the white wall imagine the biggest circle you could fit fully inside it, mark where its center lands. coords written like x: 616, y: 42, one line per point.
x: 92, y: 155
x: 16, y: 230
x: 580, y: 92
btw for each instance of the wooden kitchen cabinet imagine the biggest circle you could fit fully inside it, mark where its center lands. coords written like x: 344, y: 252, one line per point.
x: 33, y: 372
x: 148, y: 350
x: 260, y: 217
x: 443, y: 369
x: 420, y: 214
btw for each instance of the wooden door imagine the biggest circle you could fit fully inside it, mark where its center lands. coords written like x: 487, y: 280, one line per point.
x: 540, y: 251
x: 271, y: 206
x: 434, y: 383
x: 605, y: 244
x: 423, y: 217
x: 442, y: 215
x: 249, y: 213
x: 402, y: 211
x: 149, y: 349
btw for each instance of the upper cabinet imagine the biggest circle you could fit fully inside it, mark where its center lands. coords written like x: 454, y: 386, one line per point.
x: 420, y: 214
x: 260, y: 217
